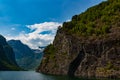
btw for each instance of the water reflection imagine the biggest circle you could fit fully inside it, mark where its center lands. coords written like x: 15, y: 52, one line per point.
x: 32, y: 75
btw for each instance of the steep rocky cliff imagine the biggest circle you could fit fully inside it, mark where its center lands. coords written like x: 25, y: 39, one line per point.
x: 87, y: 46
x: 7, y: 57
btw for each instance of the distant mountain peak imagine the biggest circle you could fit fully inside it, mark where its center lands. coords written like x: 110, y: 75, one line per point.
x: 25, y: 56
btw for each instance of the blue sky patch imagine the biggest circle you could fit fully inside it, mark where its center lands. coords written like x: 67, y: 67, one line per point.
x: 16, y: 14
x: 46, y: 32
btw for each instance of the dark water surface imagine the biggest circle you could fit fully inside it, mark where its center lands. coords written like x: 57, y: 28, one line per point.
x: 32, y: 75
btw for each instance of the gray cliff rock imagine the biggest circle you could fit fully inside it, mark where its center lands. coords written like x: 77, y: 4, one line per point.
x: 88, y: 45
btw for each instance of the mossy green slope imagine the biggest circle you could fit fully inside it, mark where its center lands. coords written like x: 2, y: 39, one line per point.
x: 96, y: 20
x: 88, y: 45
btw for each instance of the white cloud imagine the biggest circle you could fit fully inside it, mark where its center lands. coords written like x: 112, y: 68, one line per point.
x: 68, y: 20
x: 35, y: 38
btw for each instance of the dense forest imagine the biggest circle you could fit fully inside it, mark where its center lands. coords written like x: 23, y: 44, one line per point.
x: 96, y: 20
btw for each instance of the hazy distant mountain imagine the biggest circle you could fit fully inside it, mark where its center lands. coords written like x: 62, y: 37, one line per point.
x: 7, y: 56
x: 25, y: 57
x: 37, y: 53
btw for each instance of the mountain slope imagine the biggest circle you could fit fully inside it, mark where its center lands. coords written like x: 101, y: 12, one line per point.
x: 87, y: 46
x: 7, y: 57
x: 25, y: 57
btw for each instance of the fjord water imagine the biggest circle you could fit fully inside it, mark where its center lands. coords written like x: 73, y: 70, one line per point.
x: 30, y: 75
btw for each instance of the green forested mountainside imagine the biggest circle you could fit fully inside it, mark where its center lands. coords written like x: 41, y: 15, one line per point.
x: 96, y: 20
x: 88, y: 45
x: 7, y: 57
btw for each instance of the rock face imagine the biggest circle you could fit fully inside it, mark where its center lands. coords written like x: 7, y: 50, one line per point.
x: 25, y: 56
x: 7, y: 57
x: 83, y: 56
x: 80, y: 54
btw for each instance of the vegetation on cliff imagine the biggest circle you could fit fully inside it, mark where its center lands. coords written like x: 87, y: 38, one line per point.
x: 88, y: 45
x: 96, y: 20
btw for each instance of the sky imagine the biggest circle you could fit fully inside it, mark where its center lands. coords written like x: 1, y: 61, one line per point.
x: 35, y: 22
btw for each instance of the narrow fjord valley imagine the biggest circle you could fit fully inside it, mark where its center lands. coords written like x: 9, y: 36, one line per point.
x: 26, y: 58
x: 87, y: 47
x: 17, y: 56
